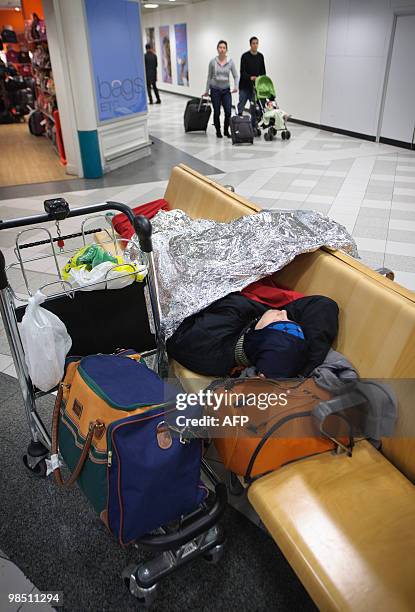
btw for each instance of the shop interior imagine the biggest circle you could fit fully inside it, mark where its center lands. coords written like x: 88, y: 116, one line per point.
x: 31, y: 142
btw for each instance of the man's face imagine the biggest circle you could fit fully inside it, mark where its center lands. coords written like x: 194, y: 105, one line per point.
x: 271, y: 316
x: 254, y: 45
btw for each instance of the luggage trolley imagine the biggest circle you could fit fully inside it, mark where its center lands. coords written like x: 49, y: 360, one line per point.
x: 139, y: 327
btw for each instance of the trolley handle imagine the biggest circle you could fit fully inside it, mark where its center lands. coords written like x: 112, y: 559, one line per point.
x: 141, y: 225
x: 3, y: 275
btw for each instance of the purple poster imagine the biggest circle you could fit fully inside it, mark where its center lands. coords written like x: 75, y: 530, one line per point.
x: 180, y: 31
x: 165, y: 53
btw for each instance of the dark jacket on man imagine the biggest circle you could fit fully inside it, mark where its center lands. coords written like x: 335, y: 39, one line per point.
x: 150, y: 59
x: 205, y: 342
x: 251, y: 65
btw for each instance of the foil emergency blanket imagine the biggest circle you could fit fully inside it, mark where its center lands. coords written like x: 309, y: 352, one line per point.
x: 199, y: 261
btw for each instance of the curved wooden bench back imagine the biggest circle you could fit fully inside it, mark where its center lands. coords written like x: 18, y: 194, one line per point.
x: 202, y: 198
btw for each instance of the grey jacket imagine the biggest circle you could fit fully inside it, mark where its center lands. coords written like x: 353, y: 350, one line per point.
x: 219, y: 76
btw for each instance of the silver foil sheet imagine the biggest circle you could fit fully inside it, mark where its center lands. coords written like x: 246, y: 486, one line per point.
x: 199, y: 261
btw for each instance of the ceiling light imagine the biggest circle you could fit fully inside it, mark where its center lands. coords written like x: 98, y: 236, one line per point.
x: 151, y: 6
x: 172, y: 0
x: 17, y: 9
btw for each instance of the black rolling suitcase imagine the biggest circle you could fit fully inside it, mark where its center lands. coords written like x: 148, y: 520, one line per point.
x: 241, y: 130
x: 197, y: 115
x: 36, y: 123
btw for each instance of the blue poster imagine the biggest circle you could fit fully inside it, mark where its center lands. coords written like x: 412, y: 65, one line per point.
x: 115, y: 43
x: 180, y: 32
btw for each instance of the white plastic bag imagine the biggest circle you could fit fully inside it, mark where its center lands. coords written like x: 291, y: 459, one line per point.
x: 46, y: 343
x: 111, y: 275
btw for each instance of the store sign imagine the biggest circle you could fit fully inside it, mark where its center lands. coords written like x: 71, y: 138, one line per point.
x: 116, y: 48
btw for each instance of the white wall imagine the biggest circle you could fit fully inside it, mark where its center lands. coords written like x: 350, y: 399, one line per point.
x: 292, y: 36
x: 359, y: 36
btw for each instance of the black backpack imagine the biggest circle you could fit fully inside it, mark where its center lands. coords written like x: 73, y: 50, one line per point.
x: 36, y: 125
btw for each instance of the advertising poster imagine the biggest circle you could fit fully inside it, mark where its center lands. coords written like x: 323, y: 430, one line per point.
x: 118, y: 68
x: 151, y: 38
x: 180, y: 31
x: 165, y: 54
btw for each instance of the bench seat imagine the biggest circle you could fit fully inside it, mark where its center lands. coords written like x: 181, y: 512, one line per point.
x: 347, y: 527
x: 345, y: 524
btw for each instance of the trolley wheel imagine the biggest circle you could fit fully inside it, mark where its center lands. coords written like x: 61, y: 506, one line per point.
x: 145, y: 596
x: 214, y: 555
x: 257, y: 132
x: 287, y: 134
x: 39, y: 469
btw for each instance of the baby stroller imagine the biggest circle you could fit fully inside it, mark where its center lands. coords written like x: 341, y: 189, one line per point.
x: 268, y: 116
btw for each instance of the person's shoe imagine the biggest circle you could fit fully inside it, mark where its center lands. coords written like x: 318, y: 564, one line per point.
x: 158, y: 102
x: 226, y: 133
x: 218, y: 134
x: 150, y: 102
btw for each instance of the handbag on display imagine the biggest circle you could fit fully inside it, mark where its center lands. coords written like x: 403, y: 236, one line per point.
x: 9, y: 36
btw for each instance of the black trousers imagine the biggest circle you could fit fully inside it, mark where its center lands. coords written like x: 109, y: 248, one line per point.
x: 221, y: 97
x: 156, y: 91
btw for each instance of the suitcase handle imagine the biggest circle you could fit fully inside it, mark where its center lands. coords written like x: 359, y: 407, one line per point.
x: 96, y: 425
x: 207, y: 101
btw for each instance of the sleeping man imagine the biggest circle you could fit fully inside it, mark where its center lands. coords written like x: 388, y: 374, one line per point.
x: 238, y: 332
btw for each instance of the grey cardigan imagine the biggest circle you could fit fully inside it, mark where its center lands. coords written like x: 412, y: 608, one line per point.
x: 218, y: 76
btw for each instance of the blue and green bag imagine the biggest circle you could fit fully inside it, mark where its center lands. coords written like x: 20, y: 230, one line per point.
x: 110, y: 426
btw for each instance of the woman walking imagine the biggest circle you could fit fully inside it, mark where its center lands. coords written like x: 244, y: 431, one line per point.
x: 218, y: 82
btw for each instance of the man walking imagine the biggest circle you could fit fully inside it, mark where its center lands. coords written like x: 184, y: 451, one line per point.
x: 151, y: 73
x: 252, y: 65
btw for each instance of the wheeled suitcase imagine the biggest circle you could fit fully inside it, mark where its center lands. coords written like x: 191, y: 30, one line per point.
x: 241, y: 130
x: 197, y: 115
x: 36, y: 123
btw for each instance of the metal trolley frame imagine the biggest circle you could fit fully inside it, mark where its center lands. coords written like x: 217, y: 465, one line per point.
x: 193, y: 535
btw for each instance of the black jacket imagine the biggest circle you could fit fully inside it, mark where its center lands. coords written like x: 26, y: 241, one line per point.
x: 251, y: 65
x: 150, y: 59
x: 205, y: 342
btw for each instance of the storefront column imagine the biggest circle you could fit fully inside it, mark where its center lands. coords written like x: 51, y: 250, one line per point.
x: 103, y: 113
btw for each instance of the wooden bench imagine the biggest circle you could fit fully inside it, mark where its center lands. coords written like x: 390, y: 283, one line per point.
x: 346, y: 525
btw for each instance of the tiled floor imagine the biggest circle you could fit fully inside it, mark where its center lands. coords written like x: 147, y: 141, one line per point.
x: 368, y: 187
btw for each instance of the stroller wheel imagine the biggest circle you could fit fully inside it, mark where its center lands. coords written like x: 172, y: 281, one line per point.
x: 283, y: 134
x: 258, y: 132
x: 270, y: 134
x: 288, y: 134
x: 274, y: 131
x: 266, y: 136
